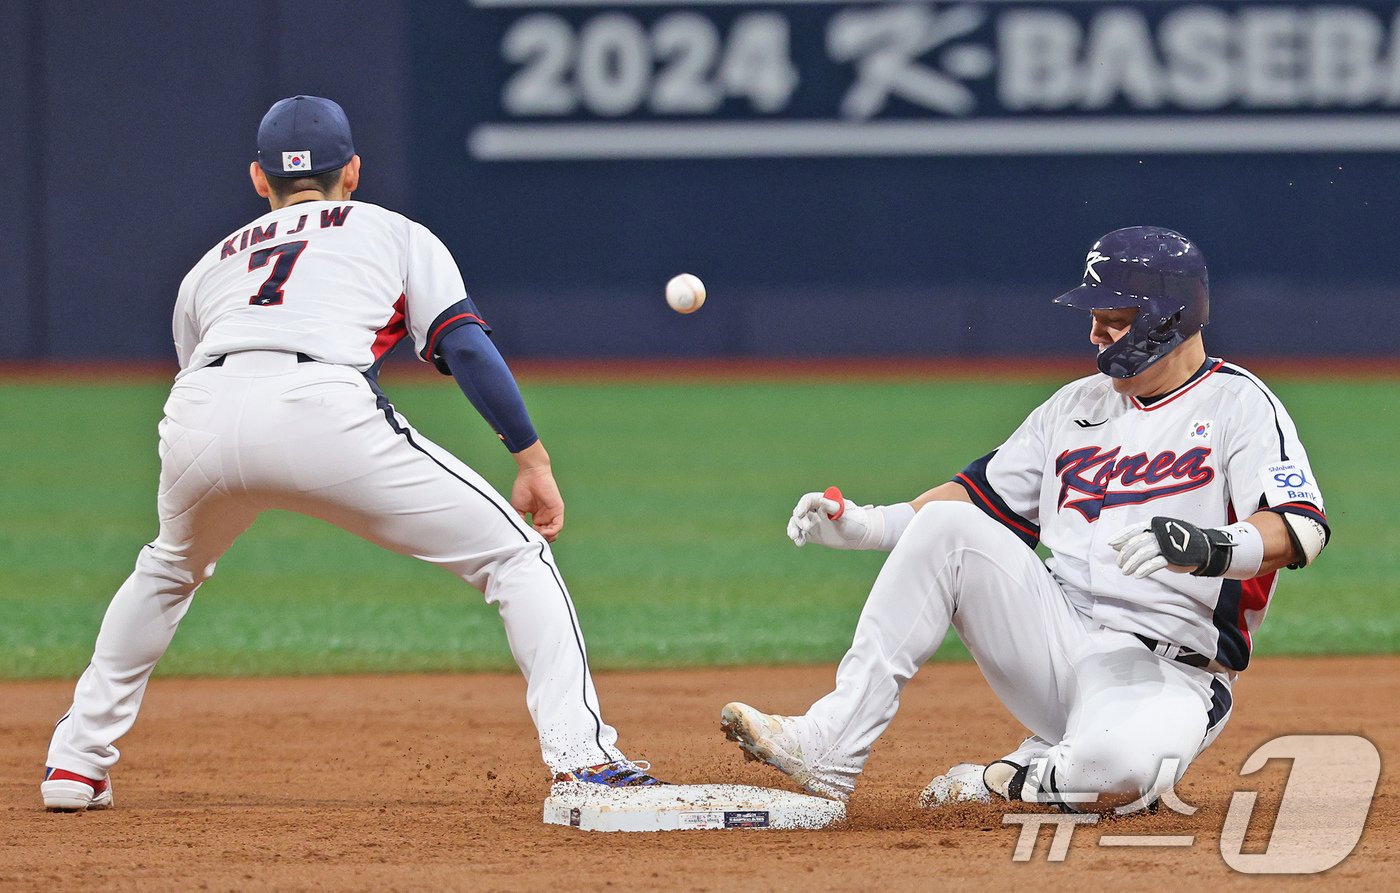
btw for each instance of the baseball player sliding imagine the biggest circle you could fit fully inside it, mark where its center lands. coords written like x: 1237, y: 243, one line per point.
x: 280, y: 331
x: 1170, y: 490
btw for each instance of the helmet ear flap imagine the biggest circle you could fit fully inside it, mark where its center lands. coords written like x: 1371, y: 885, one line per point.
x: 1164, y: 330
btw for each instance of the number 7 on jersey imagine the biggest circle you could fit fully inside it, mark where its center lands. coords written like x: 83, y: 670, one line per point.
x: 270, y: 294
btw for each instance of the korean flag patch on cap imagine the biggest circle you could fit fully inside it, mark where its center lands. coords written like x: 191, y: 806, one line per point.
x: 296, y: 161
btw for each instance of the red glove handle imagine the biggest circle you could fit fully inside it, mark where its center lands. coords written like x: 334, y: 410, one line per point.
x: 835, y: 494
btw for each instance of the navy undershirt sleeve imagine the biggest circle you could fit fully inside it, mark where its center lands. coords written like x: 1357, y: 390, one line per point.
x: 483, y: 376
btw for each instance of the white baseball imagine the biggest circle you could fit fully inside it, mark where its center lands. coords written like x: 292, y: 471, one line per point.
x: 685, y: 293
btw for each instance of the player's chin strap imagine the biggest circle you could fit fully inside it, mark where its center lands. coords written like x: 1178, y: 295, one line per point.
x: 1236, y: 551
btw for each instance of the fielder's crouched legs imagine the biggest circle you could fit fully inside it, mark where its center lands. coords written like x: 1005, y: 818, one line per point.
x: 547, y: 643
x: 421, y: 500
x: 198, y: 523
x: 136, y: 631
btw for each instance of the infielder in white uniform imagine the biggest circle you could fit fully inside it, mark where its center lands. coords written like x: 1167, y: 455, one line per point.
x: 1169, y: 490
x: 280, y: 330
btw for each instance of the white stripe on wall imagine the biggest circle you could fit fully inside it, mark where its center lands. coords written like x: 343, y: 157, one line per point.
x: 1079, y: 136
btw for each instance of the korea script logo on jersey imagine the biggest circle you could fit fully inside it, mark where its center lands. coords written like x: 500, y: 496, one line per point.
x: 1086, y: 474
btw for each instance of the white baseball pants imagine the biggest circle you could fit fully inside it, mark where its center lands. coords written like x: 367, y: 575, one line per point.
x: 263, y: 431
x: 1107, y: 711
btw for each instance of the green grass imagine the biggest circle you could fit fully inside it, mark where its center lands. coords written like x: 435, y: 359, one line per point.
x: 674, y: 549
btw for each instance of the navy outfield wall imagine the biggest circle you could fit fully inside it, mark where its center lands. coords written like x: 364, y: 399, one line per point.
x: 848, y: 178
x: 133, y: 124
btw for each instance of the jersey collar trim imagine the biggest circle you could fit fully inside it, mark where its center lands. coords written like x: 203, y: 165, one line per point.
x: 1152, y: 403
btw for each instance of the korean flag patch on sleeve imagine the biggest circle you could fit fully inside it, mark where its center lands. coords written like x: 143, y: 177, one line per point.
x: 1289, y: 482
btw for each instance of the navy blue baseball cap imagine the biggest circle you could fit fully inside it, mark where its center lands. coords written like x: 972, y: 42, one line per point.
x: 303, y: 136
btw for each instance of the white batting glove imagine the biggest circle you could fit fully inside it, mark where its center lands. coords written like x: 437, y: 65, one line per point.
x: 853, y: 527
x: 812, y: 522
x: 1139, y: 553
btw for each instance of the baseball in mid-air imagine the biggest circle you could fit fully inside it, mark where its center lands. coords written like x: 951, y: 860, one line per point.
x: 685, y: 293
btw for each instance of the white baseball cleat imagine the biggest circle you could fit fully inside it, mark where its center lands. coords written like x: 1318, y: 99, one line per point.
x: 776, y: 740
x: 66, y: 791
x: 970, y: 783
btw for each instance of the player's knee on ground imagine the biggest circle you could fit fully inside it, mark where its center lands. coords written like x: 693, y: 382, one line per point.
x: 1116, y: 768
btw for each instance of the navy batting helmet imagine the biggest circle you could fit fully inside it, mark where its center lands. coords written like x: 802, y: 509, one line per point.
x: 1161, y: 273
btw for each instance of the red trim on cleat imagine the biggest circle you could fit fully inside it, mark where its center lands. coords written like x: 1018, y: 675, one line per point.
x: 98, y: 787
x: 65, y: 791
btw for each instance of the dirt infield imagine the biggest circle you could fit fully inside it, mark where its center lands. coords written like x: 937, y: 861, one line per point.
x: 433, y: 782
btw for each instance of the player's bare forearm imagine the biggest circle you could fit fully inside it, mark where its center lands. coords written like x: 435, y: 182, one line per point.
x: 1279, y: 551
x: 951, y: 491
x: 533, y: 456
x: 536, y: 493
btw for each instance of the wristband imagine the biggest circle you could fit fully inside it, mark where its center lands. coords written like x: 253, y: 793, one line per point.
x: 896, y: 518
x: 1246, y: 552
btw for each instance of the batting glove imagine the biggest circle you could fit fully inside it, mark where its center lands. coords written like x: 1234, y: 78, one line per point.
x: 852, y: 527
x: 1236, y: 551
x: 1139, y: 553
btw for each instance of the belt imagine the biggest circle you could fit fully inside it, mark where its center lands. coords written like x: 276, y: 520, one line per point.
x: 1178, y: 653
x: 301, y: 358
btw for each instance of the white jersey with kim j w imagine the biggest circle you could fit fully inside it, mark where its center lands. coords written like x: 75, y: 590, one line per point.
x: 341, y: 282
x: 1088, y: 462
